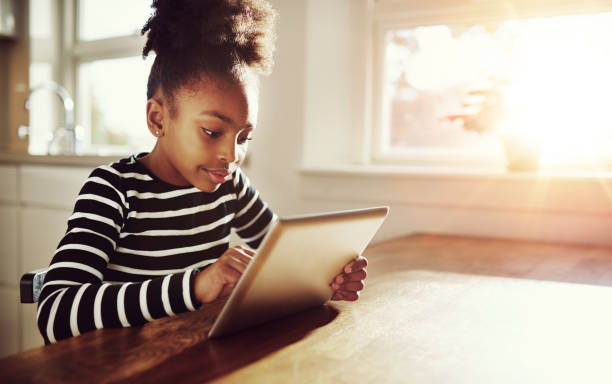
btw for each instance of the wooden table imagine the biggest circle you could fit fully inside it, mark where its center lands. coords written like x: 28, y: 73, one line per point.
x: 436, y: 309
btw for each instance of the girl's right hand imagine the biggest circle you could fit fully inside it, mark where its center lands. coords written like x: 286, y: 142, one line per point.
x: 221, y: 277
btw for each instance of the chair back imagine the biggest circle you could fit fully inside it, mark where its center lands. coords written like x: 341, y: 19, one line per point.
x: 31, y: 284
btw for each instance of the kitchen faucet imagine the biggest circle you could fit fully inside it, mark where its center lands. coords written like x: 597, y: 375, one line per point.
x: 64, y: 140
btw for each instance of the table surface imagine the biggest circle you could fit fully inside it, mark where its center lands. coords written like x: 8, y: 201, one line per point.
x: 436, y: 309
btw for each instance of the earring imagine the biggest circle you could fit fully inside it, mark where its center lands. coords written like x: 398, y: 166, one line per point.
x: 157, y: 133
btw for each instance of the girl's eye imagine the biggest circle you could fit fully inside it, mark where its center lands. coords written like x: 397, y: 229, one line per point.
x: 213, y: 134
x: 243, y: 140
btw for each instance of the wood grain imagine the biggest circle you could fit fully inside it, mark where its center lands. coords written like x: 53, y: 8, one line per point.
x: 435, y: 309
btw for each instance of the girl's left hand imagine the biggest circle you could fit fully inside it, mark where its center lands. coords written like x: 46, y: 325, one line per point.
x: 349, y: 282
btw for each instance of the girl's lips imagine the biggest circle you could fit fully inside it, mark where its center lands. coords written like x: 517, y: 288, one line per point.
x: 217, y: 177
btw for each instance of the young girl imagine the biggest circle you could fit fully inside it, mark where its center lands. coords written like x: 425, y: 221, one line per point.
x: 157, y: 225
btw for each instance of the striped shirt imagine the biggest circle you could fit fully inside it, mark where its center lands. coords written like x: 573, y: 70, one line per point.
x: 134, y: 244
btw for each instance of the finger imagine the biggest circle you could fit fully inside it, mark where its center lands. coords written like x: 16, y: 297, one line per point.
x: 237, y: 260
x: 353, y: 286
x: 355, y: 265
x: 246, y: 250
x: 337, y: 296
x: 241, y: 254
x: 230, y: 274
x: 236, y: 265
x: 339, y: 279
x: 348, y: 296
x: 355, y: 276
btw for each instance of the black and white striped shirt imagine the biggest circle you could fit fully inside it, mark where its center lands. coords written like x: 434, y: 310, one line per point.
x: 134, y: 244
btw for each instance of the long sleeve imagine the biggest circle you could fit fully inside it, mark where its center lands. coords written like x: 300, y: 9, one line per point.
x: 74, y: 299
x: 253, y: 217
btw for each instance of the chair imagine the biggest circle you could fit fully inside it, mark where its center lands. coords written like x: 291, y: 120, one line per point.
x: 31, y: 284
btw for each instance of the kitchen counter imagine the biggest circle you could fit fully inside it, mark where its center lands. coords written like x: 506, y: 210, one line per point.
x: 24, y: 158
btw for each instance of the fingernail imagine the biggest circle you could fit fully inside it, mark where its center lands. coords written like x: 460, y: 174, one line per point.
x: 339, y: 280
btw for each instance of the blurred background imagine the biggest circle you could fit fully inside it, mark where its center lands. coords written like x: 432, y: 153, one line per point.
x: 466, y: 117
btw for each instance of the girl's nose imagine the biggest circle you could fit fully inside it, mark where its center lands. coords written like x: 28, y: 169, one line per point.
x: 229, y: 152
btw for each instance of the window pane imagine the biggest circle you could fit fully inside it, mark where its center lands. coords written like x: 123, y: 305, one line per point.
x: 99, y: 19
x: 42, y: 115
x: 46, y: 111
x: 40, y: 18
x: 112, y: 104
x: 545, y: 79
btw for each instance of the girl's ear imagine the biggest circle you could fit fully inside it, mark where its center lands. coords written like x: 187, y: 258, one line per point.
x: 155, y: 117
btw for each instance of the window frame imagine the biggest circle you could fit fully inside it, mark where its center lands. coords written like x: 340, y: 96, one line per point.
x: 76, y: 52
x: 381, y: 25
x: 386, y: 15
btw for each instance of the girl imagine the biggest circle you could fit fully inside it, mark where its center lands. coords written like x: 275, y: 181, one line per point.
x: 157, y: 224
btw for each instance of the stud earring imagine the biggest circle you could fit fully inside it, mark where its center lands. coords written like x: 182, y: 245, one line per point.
x: 157, y: 132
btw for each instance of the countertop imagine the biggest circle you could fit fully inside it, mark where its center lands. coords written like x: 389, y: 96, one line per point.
x: 77, y: 161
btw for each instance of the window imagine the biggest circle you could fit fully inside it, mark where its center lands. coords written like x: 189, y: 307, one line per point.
x: 43, y: 117
x: 95, y: 53
x: 470, y: 89
x: 100, y: 19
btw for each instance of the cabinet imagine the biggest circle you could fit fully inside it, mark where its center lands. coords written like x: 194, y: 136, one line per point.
x: 35, y: 203
x: 9, y: 262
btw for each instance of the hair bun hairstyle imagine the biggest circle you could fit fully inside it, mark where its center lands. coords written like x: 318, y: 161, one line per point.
x: 213, y: 36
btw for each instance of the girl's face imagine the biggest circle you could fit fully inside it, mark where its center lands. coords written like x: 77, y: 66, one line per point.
x: 207, y: 139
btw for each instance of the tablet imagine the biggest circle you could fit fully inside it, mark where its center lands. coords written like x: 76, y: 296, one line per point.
x: 295, y: 264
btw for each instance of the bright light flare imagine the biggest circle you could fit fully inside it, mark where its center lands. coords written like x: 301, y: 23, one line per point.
x: 551, y: 80
x: 561, y: 88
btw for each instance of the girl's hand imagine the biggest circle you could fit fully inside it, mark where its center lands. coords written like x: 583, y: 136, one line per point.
x: 349, y: 282
x: 221, y: 277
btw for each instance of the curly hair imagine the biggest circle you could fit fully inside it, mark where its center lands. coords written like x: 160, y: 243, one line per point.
x: 212, y: 37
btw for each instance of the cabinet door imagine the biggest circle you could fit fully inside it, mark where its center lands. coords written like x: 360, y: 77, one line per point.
x: 50, y: 186
x: 30, y: 335
x: 9, y: 236
x: 41, y: 230
x: 9, y: 321
x: 8, y: 187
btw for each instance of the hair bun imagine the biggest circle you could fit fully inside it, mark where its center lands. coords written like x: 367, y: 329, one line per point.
x: 241, y: 30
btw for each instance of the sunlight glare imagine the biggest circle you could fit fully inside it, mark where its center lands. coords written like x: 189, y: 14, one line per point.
x: 550, y: 80
x: 561, y: 85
